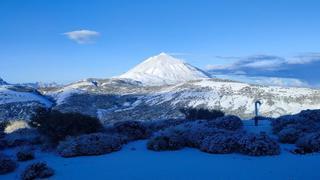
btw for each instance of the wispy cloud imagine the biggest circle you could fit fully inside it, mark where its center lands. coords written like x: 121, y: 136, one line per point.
x: 82, y: 36
x: 263, y: 80
x: 301, y: 69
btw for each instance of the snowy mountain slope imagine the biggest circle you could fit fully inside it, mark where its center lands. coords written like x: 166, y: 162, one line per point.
x: 164, y: 69
x: 39, y: 85
x: 10, y: 94
x: 60, y: 94
x: 2, y: 82
x: 18, y: 102
x: 111, y: 100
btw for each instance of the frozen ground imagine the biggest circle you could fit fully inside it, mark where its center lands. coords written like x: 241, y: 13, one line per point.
x: 135, y: 162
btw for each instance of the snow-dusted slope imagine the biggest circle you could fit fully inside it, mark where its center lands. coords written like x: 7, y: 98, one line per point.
x: 19, y: 102
x: 60, y: 95
x: 2, y: 82
x: 113, y: 100
x: 12, y: 94
x: 164, y: 69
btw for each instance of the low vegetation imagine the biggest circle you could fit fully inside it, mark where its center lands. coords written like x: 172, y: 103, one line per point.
x: 131, y: 130
x: 7, y: 165
x: 25, y: 155
x: 89, y: 144
x: 301, y: 129
x: 57, y: 125
x: 201, y: 113
x: 38, y: 170
x: 258, y: 145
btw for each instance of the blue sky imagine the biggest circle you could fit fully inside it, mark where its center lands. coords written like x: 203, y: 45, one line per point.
x: 33, y: 46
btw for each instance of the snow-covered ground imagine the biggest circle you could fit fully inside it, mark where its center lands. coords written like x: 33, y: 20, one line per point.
x: 135, y: 162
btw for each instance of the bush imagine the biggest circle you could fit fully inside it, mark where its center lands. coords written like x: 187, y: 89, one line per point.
x: 3, y: 144
x: 229, y: 122
x: 133, y: 130
x: 290, y: 128
x: 7, y: 165
x: 89, y: 144
x: 25, y: 155
x: 157, y: 125
x: 23, y: 137
x: 171, y: 140
x: 258, y: 145
x: 290, y: 134
x: 189, y: 134
x: 281, y: 122
x: 57, y: 126
x: 199, y: 113
x: 197, y: 131
x: 310, y: 115
x: 220, y: 143
x: 3, y: 125
x: 310, y: 142
x: 37, y: 170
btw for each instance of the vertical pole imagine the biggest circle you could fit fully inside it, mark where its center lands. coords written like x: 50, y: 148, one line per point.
x: 256, y: 118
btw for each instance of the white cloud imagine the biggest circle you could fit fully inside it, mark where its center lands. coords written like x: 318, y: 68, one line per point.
x: 299, y: 70
x: 262, y: 80
x: 304, y: 58
x: 82, y: 36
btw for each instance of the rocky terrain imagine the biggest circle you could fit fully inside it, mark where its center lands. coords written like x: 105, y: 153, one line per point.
x: 117, y: 99
x: 155, y: 89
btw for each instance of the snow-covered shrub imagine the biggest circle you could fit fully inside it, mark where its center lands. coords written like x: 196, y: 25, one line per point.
x: 310, y: 142
x: 157, y: 125
x: 189, y: 134
x: 6, y: 164
x: 279, y: 123
x: 200, y: 113
x: 258, y: 145
x: 16, y: 125
x: 289, y: 134
x: 133, y: 130
x: 290, y: 128
x: 57, y: 126
x: 171, y: 139
x: 197, y: 131
x: 229, y: 122
x: 3, y: 144
x: 310, y: 115
x: 3, y: 125
x: 220, y: 143
x: 25, y: 155
x: 38, y: 170
x: 89, y: 144
x: 22, y: 137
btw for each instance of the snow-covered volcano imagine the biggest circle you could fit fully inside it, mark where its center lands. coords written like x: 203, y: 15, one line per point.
x: 164, y: 69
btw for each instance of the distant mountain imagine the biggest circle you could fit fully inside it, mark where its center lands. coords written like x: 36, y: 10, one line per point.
x: 164, y: 69
x: 18, y: 102
x: 2, y: 82
x: 38, y: 85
